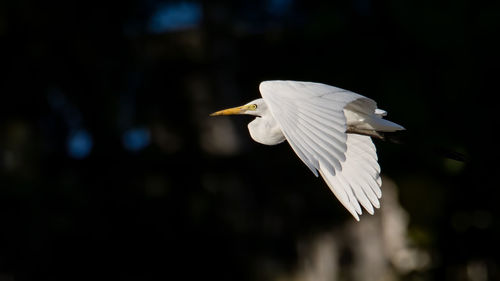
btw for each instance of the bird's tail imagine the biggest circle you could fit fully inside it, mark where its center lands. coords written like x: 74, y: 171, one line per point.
x: 369, y: 123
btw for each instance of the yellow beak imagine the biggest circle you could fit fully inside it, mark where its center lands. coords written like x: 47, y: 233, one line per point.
x: 231, y: 111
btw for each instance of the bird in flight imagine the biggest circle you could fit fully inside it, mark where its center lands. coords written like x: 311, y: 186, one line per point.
x: 330, y: 130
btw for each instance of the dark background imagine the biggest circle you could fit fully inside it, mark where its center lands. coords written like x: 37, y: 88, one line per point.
x: 111, y: 168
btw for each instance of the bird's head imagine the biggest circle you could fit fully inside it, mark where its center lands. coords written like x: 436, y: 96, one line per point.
x: 256, y: 108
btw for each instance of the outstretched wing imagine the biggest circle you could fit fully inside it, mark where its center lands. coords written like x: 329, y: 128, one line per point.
x: 311, y: 116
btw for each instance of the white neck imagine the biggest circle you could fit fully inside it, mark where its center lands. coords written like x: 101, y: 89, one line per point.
x: 266, y: 130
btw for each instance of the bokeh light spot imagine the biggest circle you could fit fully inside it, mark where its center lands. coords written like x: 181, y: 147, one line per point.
x: 79, y: 144
x: 175, y: 16
x: 136, y: 139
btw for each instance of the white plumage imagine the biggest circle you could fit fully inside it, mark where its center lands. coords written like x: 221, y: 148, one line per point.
x: 329, y: 129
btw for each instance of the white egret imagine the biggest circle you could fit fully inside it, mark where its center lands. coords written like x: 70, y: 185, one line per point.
x: 330, y: 129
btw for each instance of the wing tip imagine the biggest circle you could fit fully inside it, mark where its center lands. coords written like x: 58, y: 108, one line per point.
x: 356, y: 217
x: 354, y: 213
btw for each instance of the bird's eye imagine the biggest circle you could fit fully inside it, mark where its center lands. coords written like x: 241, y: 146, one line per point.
x: 253, y: 106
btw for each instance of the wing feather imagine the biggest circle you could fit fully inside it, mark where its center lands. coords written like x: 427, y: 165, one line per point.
x: 326, y: 119
x: 358, y: 189
x: 342, y: 194
x: 346, y: 185
x: 305, y: 155
x: 359, y: 173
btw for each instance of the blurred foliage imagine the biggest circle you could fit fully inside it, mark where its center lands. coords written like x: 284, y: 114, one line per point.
x: 184, y: 205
